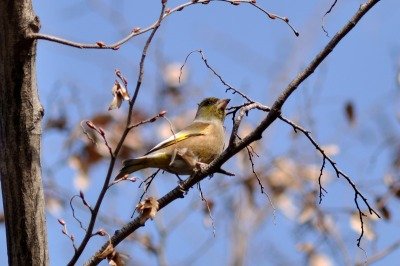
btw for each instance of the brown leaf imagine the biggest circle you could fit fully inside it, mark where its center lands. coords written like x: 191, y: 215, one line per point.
x: 250, y: 184
x: 209, y: 204
x: 120, y: 94
x: 101, y: 119
x: 106, y: 252
x: 174, y: 76
x: 59, y: 123
x: 116, y: 259
x: 396, y: 158
x: 331, y: 149
x: 380, y: 203
x: 148, y: 209
x: 396, y: 191
x: 355, y: 224
x: 54, y: 205
x: 350, y: 113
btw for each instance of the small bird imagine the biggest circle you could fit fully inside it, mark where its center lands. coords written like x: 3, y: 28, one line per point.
x: 199, y: 143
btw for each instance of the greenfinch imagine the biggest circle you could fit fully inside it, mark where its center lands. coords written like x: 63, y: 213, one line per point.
x: 199, y: 143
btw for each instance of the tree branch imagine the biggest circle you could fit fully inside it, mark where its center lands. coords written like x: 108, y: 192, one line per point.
x: 138, y: 31
x: 128, y: 127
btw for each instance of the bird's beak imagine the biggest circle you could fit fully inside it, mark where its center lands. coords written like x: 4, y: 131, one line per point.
x: 222, y: 103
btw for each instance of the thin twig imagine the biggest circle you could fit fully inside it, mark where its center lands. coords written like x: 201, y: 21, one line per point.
x: 149, y: 120
x: 208, y: 208
x: 339, y: 174
x: 274, y: 16
x: 104, y: 189
x: 73, y: 213
x: 321, y: 188
x: 262, y: 188
x: 229, y: 87
x: 147, y: 183
x: 380, y: 255
x: 100, y: 131
x: 138, y: 31
x: 326, y: 13
x: 65, y: 232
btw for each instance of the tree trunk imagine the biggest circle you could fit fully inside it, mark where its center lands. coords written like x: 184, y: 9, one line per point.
x: 20, y: 132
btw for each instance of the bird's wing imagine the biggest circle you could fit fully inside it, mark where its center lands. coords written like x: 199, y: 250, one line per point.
x: 195, y: 129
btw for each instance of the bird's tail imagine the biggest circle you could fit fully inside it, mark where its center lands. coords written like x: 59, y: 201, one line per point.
x: 131, y: 165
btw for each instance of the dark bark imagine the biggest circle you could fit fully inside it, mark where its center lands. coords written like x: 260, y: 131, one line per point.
x: 20, y: 132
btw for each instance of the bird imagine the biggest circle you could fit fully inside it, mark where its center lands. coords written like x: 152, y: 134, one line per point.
x: 195, y: 145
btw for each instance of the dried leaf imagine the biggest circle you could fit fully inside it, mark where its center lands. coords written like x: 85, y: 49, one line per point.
x: 281, y: 176
x: 116, y: 259
x: 101, y: 119
x: 355, y: 224
x: 100, y: 44
x: 171, y: 75
x: 286, y: 205
x: 314, y: 258
x: 120, y: 94
x: 319, y: 259
x: 331, y: 149
x: 81, y: 181
x: 350, y: 113
x: 106, y: 252
x: 59, y: 123
x: 305, y: 247
x: 209, y: 204
x: 148, y: 209
x: 396, y: 191
x: 382, y: 207
x: 396, y: 158
x: 250, y: 185
x: 311, y: 172
x: 306, y: 214
x: 54, y: 205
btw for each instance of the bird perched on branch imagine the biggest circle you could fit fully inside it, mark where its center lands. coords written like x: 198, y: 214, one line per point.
x: 199, y: 143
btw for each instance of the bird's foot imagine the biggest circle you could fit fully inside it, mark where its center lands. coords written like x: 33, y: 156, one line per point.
x: 199, y: 166
x: 182, y: 189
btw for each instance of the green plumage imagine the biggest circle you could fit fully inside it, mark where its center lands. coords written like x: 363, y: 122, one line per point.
x: 202, y: 141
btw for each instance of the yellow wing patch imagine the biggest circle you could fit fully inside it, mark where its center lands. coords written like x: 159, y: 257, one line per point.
x: 195, y: 129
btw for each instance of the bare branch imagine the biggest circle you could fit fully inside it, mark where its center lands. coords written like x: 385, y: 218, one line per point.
x: 65, y: 232
x: 326, y: 13
x: 147, y: 183
x: 73, y: 213
x: 339, y: 173
x: 105, y: 187
x: 208, y: 207
x: 138, y: 31
x: 229, y: 87
x: 380, y: 255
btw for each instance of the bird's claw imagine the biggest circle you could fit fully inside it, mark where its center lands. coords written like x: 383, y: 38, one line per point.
x: 181, y: 188
x: 199, y: 166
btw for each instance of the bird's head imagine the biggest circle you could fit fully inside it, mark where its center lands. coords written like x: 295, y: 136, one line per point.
x: 212, y: 108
